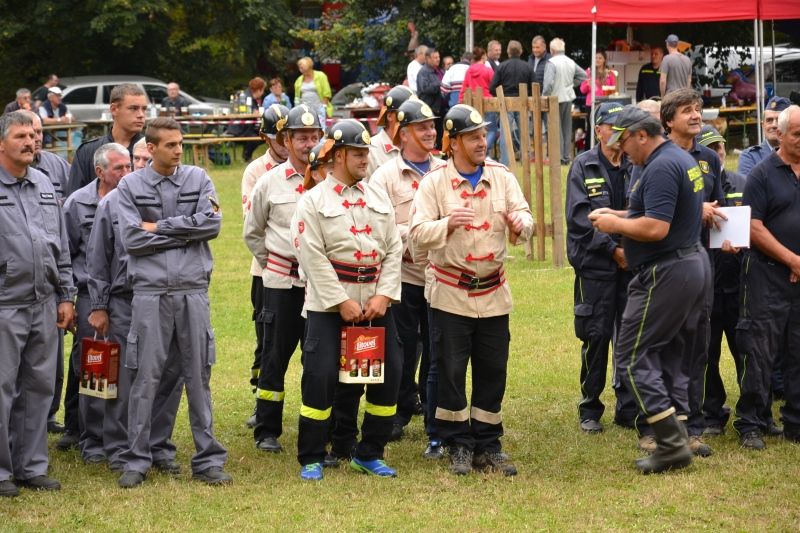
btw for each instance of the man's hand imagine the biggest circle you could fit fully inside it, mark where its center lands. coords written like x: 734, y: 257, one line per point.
x: 376, y: 307
x: 66, y: 316
x: 604, y: 222
x: 794, y: 265
x: 619, y: 258
x: 711, y: 214
x: 98, y: 319
x: 150, y: 226
x: 514, y: 223
x: 728, y: 249
x: 460, y: 216
x: 350, y: 311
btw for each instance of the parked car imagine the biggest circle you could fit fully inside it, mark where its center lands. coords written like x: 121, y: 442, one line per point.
x: 87, y: 97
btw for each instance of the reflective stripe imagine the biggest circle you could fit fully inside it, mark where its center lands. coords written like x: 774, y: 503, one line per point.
x: 487, y: 417
x: 638, y: 338
x: 315, y: 414
x: 452, y: 416
x: 589, y: 181
x: 661, y: 416
x: 270, y: 395
x: 734, y: 195
x: 380, y: 410
x: 255, y: 372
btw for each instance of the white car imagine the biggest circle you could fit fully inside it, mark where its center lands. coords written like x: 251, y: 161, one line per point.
x: 87, y: 97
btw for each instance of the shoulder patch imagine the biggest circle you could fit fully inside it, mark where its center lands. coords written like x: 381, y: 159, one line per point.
x: 704, y: 166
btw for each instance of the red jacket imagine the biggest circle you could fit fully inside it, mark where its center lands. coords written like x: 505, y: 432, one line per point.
x: 477, y: 75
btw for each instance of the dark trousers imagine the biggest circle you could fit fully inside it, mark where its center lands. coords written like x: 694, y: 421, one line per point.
x: 344, y: 418
x: 724, y: 316
x: 431, y: 385
x: 769, y: 324
x: 283, y: 329
x: 411, y: 319
x: 598, y: 311
x: 59, y: 378
x: 483, y: 342
x: 257, y: 299
x: 664, y: 322
x: 71, y: 399
x: 321, y: 352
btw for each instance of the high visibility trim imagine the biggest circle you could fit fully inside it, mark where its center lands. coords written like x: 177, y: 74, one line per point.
x: 270, y: 395
x: 636, y: 345
x: 734, y: 195
x: 661, y: 416
x: 380, y: 410
x: 315, y: 414
x: 255, y: 373
x: 590, y: 181
x: 487, y: 417
x: 452, y: 416
x: 683, y: 418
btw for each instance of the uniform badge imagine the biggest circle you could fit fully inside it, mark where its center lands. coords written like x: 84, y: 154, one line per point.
x: 46, y: 196
x: 281, y: 123
x: 301, y: 226
x: 311, y: 157
x: 337, y: 134
x: 703, y: 166
x: 214, y: 204
x: 388, y: 101
x: 449, y: 124
x: 475, y: 117
x: 365, y: 137
x: 426, y: 111
x: 401, y: 115
x: 307, y: 119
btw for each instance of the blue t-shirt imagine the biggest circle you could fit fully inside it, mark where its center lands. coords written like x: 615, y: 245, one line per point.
x: 773, y: 193
x: 669, y: 187
x: 474, y: 177
x: 422, y: 168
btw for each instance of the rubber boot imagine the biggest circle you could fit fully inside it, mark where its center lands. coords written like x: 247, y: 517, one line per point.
x: 672, y: 450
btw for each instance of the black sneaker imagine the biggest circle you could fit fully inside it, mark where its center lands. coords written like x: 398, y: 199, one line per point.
x: 168, y: 466
x: 494, y: 462
x: 460, y: 460
x: 130, y: 480
x: 213, y: 476
x: 434, y: 451
x: 774, y: 430
x: 8, y: 489
x: 55, y: 427
x: 752, y: 441
x: 95, y: 459
x: 269, y: 444
x: 40, y: 483
x: 397, y: 433
x: 68, y: 441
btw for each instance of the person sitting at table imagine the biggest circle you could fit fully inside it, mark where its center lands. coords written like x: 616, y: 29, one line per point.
x: 256, y: 88
x: 22, y: 101
x: 605, y: 77
x: 174, y: 101
x: 313, y: 89
x: 276, y: 95
x: 54, y: 111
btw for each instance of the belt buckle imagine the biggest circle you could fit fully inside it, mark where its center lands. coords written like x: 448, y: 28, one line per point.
x: 361, y: 270
x: 473, y: 282
x: 361, y: 279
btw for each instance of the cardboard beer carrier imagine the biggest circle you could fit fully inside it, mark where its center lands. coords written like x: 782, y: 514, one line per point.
x: 362, y: 359
x: 99, y: 368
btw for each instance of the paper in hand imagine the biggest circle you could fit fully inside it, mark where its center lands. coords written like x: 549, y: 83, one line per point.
x: 736, y: 229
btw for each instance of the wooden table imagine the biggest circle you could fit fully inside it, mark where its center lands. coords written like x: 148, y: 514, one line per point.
x: 69, y: 148
x: 739, y: 116
x: 199, y: 154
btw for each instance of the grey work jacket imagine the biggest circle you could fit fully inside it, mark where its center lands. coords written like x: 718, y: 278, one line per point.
x: 79, y: 212
x: 106, y: 259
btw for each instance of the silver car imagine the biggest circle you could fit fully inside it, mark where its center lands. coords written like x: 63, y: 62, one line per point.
x: 87, y: 97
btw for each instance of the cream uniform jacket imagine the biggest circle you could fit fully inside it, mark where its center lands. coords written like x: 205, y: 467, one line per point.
x: 351, y: 225
x: 267, y: 230
x: 473, y: 251
x: 255, y: 169
x: 383, y: 150
x: 400, y: 182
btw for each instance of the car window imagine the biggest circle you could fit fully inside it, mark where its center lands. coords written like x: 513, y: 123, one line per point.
x: 81, y: 95
x: 788, y: 71
x: 107, y: 93
x: 155, y: 93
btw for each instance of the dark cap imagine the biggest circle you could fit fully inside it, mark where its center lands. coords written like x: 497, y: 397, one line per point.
x: 778, y: 103
x: 629, y: 117
x: 672, y: 39
x: 709, y: 135
x: 607, y: 113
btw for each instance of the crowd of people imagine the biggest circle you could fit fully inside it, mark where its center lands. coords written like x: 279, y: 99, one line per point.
x: 348, y: 229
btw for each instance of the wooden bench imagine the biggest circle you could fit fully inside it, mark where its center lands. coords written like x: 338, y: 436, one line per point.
x: 200, y: 147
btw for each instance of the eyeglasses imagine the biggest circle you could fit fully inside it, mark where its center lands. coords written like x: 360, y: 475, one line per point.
x: 622, y: 140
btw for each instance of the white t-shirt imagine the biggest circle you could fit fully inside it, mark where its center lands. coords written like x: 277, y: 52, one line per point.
x: 411, y: 72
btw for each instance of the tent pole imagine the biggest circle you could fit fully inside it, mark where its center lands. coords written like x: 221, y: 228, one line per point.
x: 758, y: 79
x: 763, y: 77
x: 774, y: 73
x: 469, y: 30
x: 590, y: 124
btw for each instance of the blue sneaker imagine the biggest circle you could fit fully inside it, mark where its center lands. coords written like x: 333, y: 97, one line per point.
x: 312, y: 472
x: 376, y: 467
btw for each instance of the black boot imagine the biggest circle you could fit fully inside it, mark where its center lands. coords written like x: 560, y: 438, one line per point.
x: 672, y: 450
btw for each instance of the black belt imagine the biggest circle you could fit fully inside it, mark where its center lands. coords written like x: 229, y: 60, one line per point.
x: 356, y: 273
x: 680, y: 253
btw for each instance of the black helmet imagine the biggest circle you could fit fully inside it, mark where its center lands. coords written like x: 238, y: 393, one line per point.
x: 348, y: 132
x: 274, y: 119
x: 302, y: 117
x: 314, y: 159
x: 460, y: 119
x: 393, y: 100
x: 412, y: 111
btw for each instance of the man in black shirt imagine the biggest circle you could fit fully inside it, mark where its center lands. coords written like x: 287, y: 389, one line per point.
x: 128, y: 108
x: 429, y: 90
x: 598, y: 178
x: 509, y: 75
x: 649, y: 76
x: 670, y: 294
x: 769, y: 320
x: 174, y: 101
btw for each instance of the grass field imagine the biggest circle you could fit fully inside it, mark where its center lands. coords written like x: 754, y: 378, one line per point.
x: 568, y: 481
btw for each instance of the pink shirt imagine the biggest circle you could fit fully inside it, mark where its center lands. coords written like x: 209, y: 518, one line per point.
x: 598, y: 85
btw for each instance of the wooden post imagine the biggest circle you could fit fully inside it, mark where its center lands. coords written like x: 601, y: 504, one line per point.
x: 539, y: 168
x: 506, y: 130
x: 525, y: 153
x: 556, y: 207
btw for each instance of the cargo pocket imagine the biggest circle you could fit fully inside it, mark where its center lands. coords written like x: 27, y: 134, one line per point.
x: 743, y: 336
x: 309, y: 350
x: 583, y: 320
x: 267, y: 319
x: 132, y: 352
x: 211, y: 348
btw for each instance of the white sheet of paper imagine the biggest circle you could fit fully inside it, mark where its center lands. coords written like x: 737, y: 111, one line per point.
x: 736, y: 229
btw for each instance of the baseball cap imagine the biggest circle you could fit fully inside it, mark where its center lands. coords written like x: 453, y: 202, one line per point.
x: 778, y: 103
x: 607, y: 113
x: 672, y: 39
x: 54, y: 90
x: 629, y: 117
x: 709, y: 135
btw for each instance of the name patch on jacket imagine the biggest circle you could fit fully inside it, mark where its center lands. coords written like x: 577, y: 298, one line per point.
x: 47, y: 196
x: 594, y: 186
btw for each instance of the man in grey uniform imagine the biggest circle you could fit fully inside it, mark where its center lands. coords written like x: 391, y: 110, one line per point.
x: 36, y: 300
x: 111, y: 162
x: 167, y: 215
x: 110, y: 293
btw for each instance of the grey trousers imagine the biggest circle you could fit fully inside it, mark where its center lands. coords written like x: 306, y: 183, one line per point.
x: 565, y: 115
x: 28, y: 344
x: 171, y: 333
x: 90, y: 409
x: 165, y: 406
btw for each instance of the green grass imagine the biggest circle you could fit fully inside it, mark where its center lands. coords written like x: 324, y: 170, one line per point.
x: 568, y: 481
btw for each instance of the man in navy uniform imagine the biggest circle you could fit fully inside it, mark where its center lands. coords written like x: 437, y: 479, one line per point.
x: 752, y: 156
